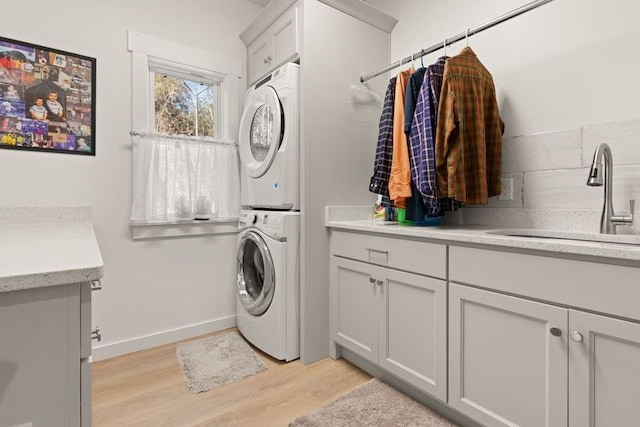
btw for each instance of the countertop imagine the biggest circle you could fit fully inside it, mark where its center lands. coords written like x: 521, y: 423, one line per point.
x: 42, y: 254
x: 628, y: 253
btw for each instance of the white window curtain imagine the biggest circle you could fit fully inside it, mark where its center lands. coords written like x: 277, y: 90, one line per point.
x: 184, y: 178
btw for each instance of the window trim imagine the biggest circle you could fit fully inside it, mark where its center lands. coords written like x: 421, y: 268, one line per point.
x: 148, y: 51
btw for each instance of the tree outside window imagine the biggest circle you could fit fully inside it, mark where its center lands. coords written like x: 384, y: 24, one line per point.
x: 185, y: 107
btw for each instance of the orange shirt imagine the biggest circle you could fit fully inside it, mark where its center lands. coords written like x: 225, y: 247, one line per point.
x: 400, y: 178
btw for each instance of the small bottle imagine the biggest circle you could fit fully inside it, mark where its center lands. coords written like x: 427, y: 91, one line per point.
x: 379, y: 212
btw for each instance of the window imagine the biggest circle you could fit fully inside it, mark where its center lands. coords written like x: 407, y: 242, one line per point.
x: 152, y: 56
x: 185, y: 101
x: 185, y: 106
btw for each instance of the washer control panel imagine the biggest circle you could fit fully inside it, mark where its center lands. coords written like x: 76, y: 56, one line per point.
x: 269, y: 222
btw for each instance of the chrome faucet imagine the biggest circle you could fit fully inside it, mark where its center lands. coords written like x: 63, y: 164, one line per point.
x: 609, y: 219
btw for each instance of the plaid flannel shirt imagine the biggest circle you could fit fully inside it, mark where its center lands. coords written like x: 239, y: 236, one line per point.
x: 469, y: 130
x: 379, y: 183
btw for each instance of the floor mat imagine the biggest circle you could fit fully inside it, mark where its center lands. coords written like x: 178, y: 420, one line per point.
x: 213, y: 362
x: 374, y: 404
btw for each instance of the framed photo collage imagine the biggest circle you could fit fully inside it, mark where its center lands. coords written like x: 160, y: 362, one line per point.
x: 47, y: 99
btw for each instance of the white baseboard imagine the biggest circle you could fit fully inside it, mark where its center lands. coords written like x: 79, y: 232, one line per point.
x: 107, y: 351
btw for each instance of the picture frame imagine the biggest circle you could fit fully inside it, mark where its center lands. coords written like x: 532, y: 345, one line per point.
x: 47, y: 99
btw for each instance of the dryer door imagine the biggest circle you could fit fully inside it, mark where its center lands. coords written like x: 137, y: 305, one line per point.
x: 256, y: 274
x: 261, y: 131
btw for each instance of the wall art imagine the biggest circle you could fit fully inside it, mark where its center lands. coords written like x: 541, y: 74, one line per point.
x: 47, y: 99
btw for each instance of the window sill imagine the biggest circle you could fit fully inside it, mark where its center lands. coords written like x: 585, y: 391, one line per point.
x: 159, y: 230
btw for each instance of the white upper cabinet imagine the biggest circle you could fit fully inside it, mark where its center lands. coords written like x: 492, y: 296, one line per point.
x: 277, y: 45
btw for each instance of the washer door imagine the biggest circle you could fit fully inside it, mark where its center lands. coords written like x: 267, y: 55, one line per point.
x: 256, y: 274
x: 261, y: 131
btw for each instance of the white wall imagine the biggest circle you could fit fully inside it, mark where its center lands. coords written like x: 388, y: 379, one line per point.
x: 563, y: 65
x: 566, y: 79
x: 338, y: 139
x: 150, y: 288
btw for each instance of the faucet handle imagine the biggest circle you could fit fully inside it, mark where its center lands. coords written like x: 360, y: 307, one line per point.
x: 625, y: 219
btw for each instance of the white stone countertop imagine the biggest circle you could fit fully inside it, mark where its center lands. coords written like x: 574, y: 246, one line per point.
x: 626, y: 250
x: 42, y: 254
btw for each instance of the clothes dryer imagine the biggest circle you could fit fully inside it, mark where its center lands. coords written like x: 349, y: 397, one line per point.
x: 268, y: 142
x: 268, y: 281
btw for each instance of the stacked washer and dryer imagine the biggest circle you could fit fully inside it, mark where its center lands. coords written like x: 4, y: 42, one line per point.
x: 268, y: 250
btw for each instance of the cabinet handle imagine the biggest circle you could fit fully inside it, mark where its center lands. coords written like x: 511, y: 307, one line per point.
x: 379, y: 282
x: 268, y: 59
x: 556, y: 332
x: 377, y: 250
x: 576, y: 336
x: 372, y: 280
x: 96, y: 335
x: 96, y: 285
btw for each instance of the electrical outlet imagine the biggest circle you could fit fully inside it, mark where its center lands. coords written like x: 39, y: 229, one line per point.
x: 507, y: 189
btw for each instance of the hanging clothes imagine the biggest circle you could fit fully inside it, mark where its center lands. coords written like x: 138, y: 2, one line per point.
x: 379, y: 182
x: 436, y: 75
x: 421, y: 137
x: 468, y: 145
x: 400, y: 178
x: 411, y: 97
x: 415, y: 208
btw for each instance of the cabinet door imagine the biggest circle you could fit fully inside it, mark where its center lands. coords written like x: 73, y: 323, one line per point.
x: 604, y: 371
x: 258, y: 53
x: 413, y: 336
x: 85, y: 354
x: 355, y: 297
x: 284, y: 38
x: 40, y: 356
x: 505, y: 367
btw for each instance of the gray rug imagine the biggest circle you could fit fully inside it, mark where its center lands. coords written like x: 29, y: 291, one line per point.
x: 373, y: 404
x: 213, y: 362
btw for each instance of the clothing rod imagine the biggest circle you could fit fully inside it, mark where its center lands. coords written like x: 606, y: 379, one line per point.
x: 471, y: 31
x: 184, y: 137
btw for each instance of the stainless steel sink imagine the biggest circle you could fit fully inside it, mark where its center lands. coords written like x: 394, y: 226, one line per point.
x: 626, y: 239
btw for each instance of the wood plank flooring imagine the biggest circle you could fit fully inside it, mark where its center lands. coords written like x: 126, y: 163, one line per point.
x: 147, y: 388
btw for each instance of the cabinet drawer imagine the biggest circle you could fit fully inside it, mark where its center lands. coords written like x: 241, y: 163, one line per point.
x: 409, y: 255
x: 605, y: 288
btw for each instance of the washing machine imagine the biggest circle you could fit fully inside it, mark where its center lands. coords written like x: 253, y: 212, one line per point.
x: 268, y: 142
x: 268, y: 281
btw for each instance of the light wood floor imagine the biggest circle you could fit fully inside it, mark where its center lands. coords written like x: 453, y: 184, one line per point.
x: 146, y: 388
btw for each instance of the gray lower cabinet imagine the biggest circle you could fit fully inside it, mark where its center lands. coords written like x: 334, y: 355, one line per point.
x: 43, y: 355
x: 393, y: 318
x: 506, y: 338
x: 513, y: 361
x: 505, y: 367
x: 604, y: 371
x: 357, y: 302
x: 568, y: 360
